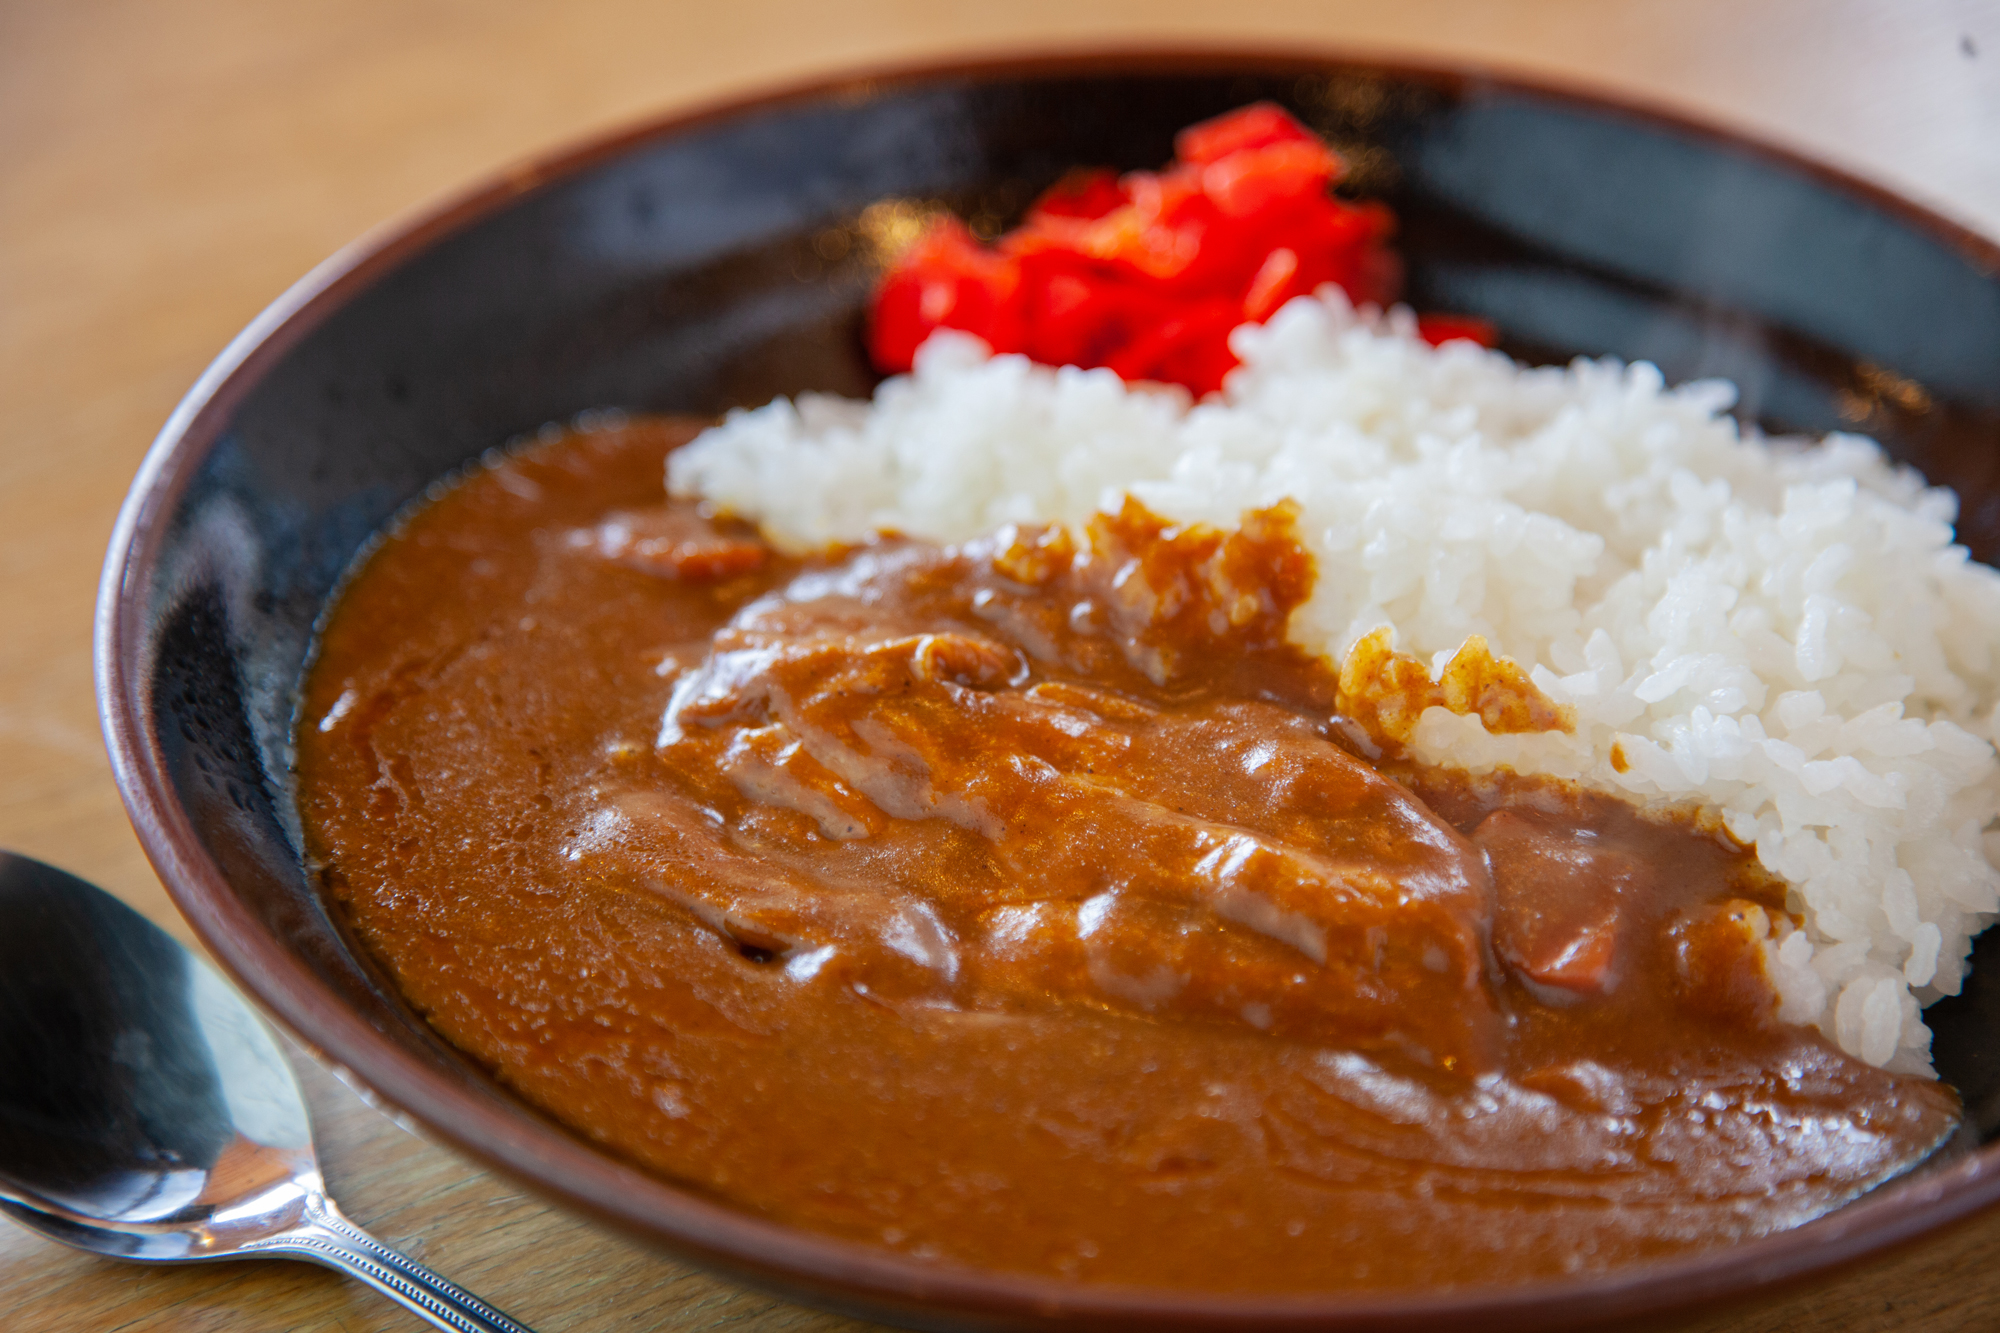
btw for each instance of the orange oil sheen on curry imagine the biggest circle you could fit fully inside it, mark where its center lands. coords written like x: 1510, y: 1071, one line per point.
x: 1030, y: 904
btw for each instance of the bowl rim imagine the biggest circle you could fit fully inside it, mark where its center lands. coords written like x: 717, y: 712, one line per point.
x: 522, y: 1144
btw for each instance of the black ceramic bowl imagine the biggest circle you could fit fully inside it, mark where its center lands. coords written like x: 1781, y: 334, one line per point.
x: 685, y: 267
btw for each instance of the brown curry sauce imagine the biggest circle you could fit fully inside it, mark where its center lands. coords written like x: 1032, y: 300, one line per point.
x: 1035, y: 907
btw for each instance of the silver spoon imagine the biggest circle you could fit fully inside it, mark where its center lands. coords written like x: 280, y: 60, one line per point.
x: 147, y: 1113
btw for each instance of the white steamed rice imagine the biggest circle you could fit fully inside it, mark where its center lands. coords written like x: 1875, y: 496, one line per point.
x: 1782, y: 632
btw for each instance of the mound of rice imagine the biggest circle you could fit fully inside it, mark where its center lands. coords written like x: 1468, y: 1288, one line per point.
x: 1780, y: 631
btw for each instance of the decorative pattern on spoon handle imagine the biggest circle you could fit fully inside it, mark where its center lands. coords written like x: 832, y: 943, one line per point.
x: 326, y: 1237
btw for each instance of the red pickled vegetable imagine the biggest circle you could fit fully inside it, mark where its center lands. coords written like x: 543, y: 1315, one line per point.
x: 1083, y: 194
x: 1256, y: 181
x: 1147, y: 273
x: 946, y: 280
x: 1437, y: 330
x: 1253, y: 126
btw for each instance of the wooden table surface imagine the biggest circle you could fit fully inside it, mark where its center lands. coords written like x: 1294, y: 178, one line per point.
x: 167, y: 167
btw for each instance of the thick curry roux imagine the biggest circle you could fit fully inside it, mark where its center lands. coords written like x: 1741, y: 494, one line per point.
x: 1028, y: 906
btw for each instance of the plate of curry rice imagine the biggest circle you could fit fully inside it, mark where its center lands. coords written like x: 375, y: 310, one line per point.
x: 1175, y: 690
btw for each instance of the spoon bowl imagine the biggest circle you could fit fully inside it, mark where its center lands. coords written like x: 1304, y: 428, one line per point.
x: 147, y: 1113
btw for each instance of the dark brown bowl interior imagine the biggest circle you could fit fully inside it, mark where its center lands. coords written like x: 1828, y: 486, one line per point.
x: 675, y: 268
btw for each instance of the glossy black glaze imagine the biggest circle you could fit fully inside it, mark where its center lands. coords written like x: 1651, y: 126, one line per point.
x: 688, y: 271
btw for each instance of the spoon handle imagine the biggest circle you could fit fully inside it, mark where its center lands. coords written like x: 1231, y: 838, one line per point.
x: 325, y: 1237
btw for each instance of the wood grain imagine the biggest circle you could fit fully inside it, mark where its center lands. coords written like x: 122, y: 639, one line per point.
x: 167, y: 167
